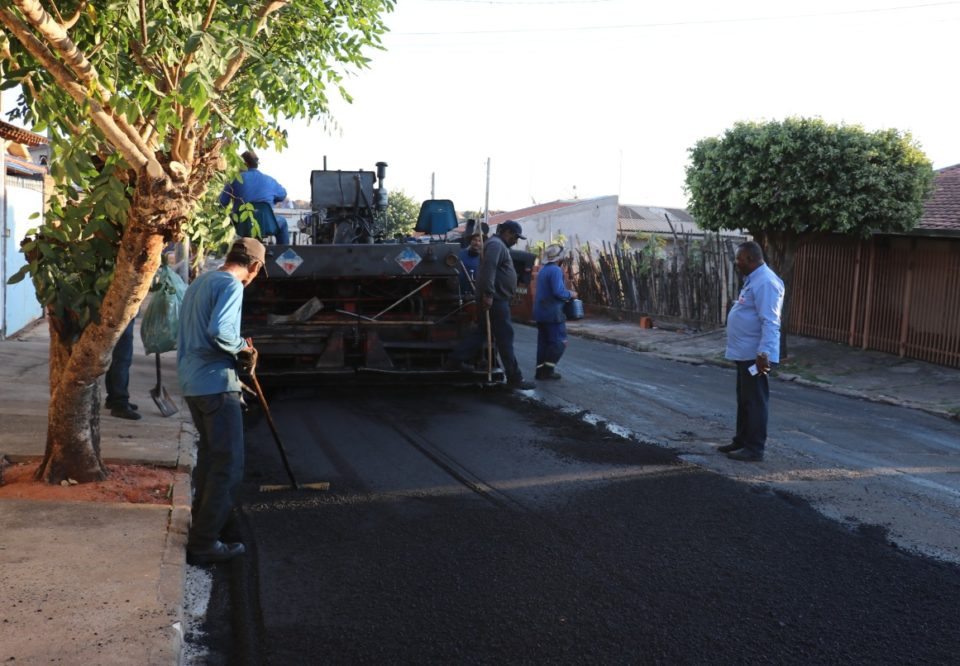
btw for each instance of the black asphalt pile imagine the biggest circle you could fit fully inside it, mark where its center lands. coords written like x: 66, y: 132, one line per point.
x: 646, y: 560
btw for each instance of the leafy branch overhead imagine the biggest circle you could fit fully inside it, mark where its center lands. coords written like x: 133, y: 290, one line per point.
x: 153, y: 98
x: 147, y: 104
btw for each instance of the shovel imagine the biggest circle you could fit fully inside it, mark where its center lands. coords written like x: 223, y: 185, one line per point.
x: 294, y: 484
x: 160, y: 396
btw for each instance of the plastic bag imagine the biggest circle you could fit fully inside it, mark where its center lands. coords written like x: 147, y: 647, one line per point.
x: 161, y: 320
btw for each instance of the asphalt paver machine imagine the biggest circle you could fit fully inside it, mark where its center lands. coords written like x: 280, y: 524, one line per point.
x: 344, y: 304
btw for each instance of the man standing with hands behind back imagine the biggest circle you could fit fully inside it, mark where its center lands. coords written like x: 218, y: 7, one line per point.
x: 753, y: 342
x: 209, y: 348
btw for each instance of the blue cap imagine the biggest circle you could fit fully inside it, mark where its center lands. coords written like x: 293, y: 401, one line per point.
x: 511, y: 225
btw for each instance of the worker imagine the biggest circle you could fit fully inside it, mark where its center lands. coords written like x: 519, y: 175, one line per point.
x: 470, y: 263
x: 551, y: 294
x: 257, y: 188
x: 495, y: 287
x: 117, y: 378
x: 209, y: 349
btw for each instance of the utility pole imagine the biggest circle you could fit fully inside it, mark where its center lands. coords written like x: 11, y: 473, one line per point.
x: 433, y: 183
x: 486, y: 198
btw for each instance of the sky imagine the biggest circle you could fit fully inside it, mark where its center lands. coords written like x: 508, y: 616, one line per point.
x: 584, y: 98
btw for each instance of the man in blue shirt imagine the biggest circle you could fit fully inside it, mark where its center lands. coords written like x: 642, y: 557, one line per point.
x: 470, y: 263
x: 753, y: 343
x: 257, y: 188
x: 551, y: 294
x: 208, y: 349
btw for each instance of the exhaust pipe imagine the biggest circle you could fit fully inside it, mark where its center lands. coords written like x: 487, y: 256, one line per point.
x: 381, y: 198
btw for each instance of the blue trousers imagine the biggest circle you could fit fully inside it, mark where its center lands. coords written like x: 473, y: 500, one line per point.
x: 269, y: 225
x: 219, y: 469
x: 753, y: 396
x: 551, y: 343
x: 502, y: 329
x: 117, y: 379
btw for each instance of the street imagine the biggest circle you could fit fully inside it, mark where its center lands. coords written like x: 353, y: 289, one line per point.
x: 569, y: 525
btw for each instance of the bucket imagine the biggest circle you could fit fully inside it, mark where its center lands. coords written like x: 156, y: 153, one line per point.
x: 573, y: 309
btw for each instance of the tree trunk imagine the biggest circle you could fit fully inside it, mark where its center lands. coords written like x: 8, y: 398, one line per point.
x: 73, y: 420
x: 78, y: 361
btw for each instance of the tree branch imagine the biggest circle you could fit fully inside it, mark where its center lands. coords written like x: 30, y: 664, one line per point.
x: 76, y: 16
x: 100, y: 117
x: 208, y: 19
x: 184, y: 143
x: 117, y: 130
x: 143, y: 22
x: 268, y: 7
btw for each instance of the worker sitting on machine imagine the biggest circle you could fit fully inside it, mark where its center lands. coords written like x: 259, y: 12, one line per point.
x: 261, y: 191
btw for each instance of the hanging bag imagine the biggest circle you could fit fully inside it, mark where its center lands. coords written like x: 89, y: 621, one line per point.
x: 161, y: 320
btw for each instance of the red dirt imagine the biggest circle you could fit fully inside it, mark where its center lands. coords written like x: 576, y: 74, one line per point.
x: 134, y: 484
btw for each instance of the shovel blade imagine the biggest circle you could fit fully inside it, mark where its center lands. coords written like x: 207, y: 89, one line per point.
x: 163, y: 401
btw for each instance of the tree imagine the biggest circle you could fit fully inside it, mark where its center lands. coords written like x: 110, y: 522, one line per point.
x: 787, y: 181
x: 401, y: 214
x: 147, y: 105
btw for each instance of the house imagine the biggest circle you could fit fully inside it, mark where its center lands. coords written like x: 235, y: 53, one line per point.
x: 21, y: 195
x: 637, y: 224
x: 577, y: 221
x: 897, y: 293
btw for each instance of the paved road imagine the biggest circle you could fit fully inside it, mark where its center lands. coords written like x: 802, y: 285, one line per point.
x: 450, y: 537
x: 855, y: 461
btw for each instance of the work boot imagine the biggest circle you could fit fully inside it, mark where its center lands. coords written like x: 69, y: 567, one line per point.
x: 111, y: 405
x: 520, y: 384
x: 746, y: 455
x: 729, y: 448
x: 547, y: 372
x: 218, y: 552
x: 125, y: 412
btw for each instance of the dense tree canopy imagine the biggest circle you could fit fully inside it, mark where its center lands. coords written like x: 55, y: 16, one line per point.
x: 803, y: 175
x: 786, y: 181
x: 147, y: 105
x: 401, y: 214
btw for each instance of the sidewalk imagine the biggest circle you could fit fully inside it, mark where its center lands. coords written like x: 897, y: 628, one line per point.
x: 104, y: 583
x: 84, y: 582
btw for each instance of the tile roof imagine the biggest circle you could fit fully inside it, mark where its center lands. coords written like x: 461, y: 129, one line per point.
x: 20, y: 135
x: 22, y: 167
x: 942, y: 210
x: 531, y: 210
x: 650, y: 219
x: 496, y: 219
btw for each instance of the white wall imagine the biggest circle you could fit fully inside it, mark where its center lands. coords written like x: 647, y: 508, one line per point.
x: 592, y: 220
x: 24, y: 197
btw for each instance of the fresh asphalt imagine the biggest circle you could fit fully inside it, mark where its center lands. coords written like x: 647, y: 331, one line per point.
x: 476, y: 526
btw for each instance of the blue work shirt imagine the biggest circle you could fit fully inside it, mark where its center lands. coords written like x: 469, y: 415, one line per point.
x: 252, y: 186
x: 753, y: 324
x: 209, y: 337
x: 472, y: 264
x: 550, y: 295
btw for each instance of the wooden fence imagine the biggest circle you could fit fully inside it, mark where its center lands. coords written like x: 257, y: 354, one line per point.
x: 894, y: 294
x: 694, y: 280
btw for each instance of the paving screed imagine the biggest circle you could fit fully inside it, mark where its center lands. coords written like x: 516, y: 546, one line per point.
x: 476, y: 526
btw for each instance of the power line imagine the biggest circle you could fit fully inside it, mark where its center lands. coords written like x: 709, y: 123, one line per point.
x: 673, y: 24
